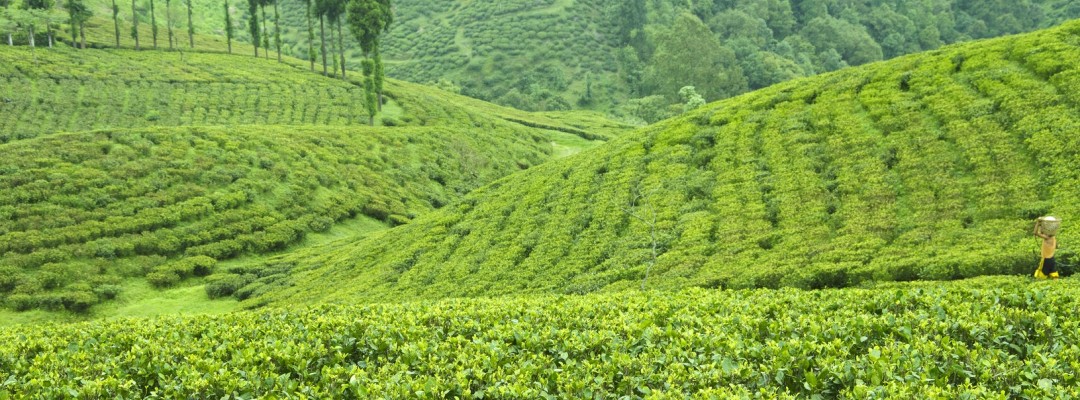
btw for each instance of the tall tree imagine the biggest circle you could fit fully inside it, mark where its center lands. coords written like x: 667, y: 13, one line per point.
x: 688, y: 54
x: 168, y: 21
x: 311, y: 34
x: 253, y: 23
x: 38, y: 13
x: 30, y: 19
x: 7, y: 23
x: 228, y: 26
x: 190, y: 25
x: 368, y: 19
x: 153, y: 23
x: 333, y: 10
x: 83, y: 16
x: 135, y: 24
x: 631, y: 16
x: 78, y: 13
x: 116, y: 22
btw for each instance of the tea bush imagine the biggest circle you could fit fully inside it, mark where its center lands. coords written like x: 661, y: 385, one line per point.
x: 984, y: 338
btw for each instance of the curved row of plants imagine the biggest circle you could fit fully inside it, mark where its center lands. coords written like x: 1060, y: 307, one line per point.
x: 82, y: 211
x: 926, y: 167
x: 69, y: 90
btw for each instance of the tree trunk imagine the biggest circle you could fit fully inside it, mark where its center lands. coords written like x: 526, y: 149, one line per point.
x: 31, y: 30
x: 168, y: 21
x: 311, y: 36
x: 266, y: 35
x: 10, y: 42
x: 116, y: 22
x: 82, y: 33
x: 191, y: 28
x: 135, y: 24
x: 48, y: 34
x: 332, y: 50
x: 153, y: 25
x: 341, y: 48
x: 74, y: 31
x: 277, y: 31
x: 322, y: 43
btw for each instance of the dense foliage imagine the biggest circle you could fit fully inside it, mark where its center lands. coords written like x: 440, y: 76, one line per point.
x: 551, y: 55
x: 988, y: 338
x: 930, y: 166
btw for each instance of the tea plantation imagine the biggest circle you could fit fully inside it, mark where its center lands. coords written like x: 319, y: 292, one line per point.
x: 926, y: 167
x: 211, y: 157
x: 828, y: 237
x: 992, y: 338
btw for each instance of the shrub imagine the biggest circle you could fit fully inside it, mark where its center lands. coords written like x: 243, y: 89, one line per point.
x: 162, y: 278
x: 250, y: 290
x: 223, y: 285
x: 9, y: 278
x: 21, y: 302
x: 202, y: 265
x: 108, y: 292
x: 79, y: 301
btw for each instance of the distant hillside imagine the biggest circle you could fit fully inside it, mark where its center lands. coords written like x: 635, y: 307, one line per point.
x: 63, y: 89
x: 601, y: 54
x: 931, y: 166
x: 68, y: 90
x: 628, y: 58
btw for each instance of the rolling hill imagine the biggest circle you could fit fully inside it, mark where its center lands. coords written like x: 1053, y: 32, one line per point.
x: 63, y: 89
x: 930, y: 166
x: 120, y: 165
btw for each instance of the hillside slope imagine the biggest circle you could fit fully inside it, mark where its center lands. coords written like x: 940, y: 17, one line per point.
x: 551, y: 55
x: 930, y: 166
x: 63, y: 89
x: 179, y: 161
x: 623, y: 57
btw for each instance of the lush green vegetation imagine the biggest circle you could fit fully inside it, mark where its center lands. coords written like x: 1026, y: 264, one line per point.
x: 930, y: 166
x: 987, y: 338
x: 83, y: 210
x: 551, y: 55
x: 148, y: 195
x: 629, y: 58
x: 69, y: 90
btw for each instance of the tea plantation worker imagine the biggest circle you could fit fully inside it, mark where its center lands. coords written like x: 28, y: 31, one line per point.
x: 1046, y: 228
